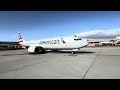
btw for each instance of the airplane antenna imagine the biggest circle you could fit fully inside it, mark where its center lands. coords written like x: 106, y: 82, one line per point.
x: 75, y: 36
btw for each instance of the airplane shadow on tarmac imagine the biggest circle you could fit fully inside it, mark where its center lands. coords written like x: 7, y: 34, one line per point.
x: 69, y: 52
x: 54, y: 52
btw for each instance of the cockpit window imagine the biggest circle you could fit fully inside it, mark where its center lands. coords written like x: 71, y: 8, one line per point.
x: 77, y: 39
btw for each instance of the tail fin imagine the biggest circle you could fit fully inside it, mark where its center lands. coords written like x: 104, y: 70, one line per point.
x: 20, y: 39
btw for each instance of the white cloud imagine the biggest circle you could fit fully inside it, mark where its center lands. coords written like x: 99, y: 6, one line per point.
x: 100, y: 34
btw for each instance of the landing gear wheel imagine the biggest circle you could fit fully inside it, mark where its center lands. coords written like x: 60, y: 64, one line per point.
x: 30, y: 53
x: 73, y: 52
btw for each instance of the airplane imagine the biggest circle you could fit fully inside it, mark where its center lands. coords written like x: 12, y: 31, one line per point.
x: 59, y: 43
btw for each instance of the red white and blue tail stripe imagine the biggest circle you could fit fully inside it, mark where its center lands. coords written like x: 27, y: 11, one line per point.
x: 20, y: 38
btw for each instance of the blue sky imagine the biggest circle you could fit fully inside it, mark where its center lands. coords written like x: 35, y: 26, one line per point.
x: 47, y: 24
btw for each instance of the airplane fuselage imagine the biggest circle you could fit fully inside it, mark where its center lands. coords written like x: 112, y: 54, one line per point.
x: 57, y: 43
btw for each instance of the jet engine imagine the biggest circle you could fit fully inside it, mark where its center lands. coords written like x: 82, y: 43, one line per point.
x: 36, y: 49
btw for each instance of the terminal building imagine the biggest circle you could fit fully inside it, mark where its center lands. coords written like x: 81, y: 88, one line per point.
x: 99, y: 42
x: 104, y: 42
x: 4, y: 45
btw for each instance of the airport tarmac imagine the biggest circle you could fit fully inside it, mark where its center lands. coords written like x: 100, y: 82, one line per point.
x: 88, y: 63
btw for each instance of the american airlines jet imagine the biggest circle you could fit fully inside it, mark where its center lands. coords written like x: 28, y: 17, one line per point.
x: 60, y: 43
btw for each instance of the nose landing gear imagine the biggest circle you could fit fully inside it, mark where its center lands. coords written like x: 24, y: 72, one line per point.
x: 72, y: 52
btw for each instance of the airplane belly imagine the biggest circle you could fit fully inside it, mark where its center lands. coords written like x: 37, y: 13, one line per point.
x: 60, y: 46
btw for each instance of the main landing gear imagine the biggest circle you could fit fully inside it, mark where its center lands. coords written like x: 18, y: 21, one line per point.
x: 73, y: 51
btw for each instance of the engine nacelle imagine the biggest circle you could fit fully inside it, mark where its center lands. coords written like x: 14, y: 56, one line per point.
x: 35, y: 49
